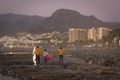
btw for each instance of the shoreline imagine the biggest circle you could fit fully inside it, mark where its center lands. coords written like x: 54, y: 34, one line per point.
x: 74, y: 67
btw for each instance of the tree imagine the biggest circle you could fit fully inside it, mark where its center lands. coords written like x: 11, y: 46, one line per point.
x: 115, y: 34
x: 112, y: 37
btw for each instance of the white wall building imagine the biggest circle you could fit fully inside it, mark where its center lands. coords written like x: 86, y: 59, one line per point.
x: 76, y: 34
x: 97, y: 33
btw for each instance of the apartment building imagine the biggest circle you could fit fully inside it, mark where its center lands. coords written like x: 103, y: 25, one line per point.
x: 97, y: 33
x: 103, y: 31
x: 76, y: 34
x: 92, y: 34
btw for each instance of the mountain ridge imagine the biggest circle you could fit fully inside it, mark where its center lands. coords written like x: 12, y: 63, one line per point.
x: 60, y: 20
x: 63, y: 19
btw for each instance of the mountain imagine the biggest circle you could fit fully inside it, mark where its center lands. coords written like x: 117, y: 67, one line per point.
x: 60, y: 20
x: 64, y: 19
x: 11, y: 24
x: 114, y: 25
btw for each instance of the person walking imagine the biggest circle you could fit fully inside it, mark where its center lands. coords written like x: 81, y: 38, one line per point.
x: 37, y: 55
x: 61, y: 53
x: 45, y: 53
x: 34, y: 56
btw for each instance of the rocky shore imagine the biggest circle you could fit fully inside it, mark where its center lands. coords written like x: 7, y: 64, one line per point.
x: 79, y: 65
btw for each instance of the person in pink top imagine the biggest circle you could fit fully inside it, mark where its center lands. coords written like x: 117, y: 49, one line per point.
x: 45, y: 53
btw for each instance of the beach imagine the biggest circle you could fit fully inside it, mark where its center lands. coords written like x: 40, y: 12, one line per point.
x: 81, y: 64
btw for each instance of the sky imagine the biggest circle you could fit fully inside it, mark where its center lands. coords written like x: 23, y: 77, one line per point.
x: 105, y: 10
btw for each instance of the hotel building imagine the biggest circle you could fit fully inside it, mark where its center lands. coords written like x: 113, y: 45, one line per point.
x: 76, y: 34
x: 97, y: 33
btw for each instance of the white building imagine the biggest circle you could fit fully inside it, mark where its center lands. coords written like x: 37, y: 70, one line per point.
x: 97, y: 33
x: 76, y: 34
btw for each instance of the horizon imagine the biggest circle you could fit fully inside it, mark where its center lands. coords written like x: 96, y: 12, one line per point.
x: 103, y: 10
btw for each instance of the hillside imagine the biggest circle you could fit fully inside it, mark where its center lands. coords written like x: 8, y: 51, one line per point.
x: 64, y: 19
x: 13, y: 23
x: 60, y: 20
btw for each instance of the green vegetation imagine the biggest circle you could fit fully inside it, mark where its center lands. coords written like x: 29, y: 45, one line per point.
x: 113, y: 38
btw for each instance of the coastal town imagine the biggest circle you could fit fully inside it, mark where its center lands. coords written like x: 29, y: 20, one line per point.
x: 73, y: 37
x: 59, y: 40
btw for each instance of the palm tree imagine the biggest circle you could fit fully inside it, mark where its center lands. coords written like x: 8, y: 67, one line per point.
x: 114, y: 36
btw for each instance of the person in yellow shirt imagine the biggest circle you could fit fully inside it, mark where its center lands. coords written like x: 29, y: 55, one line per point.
x: 61, y: 53
x: 38, y: 53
